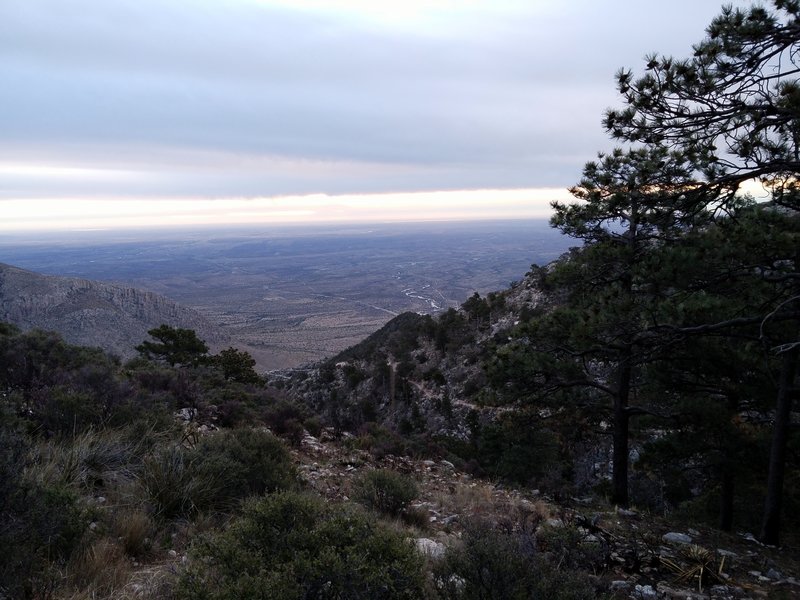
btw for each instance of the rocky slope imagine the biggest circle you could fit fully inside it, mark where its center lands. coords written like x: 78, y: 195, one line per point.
x: 90, y: 313
x: 421, y: 372
x: 454, y: 387
x: 633, y: 555
x: 630, y: 554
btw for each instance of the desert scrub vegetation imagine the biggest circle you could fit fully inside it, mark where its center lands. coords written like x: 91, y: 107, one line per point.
x: 291, y: 545
x: 87, y: 460
x: 243, y: 462
x: 97, y: 481
x: 385, y: 491
x: 170, y: 482
x: 40, y: 523
x: 220, y: 470
x: 492, y: 565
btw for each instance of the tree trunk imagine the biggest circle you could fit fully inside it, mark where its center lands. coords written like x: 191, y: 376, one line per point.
x: 621, y: 435
x: 771, y: 524
x: 726, y: 498
x: 624, y: 373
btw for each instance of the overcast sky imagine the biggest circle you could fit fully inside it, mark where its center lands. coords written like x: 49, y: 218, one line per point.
x: 130, y: 112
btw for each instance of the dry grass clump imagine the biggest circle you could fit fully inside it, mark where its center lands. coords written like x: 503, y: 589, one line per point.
x: 478, y: 498
x: 87, y: 461
x: 99, y: 570
x: 466, y: 498
x: 525, y: 515
x: 134, y: 529
x: 154, y: 583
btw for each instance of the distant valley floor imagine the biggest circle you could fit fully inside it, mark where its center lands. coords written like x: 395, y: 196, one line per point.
x: 296, y: 295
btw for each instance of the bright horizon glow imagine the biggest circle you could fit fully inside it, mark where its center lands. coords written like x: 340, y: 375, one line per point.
x: 62, y: 214
x: 81, y: 214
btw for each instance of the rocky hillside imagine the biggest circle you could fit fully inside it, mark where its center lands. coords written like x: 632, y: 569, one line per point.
x: 425, y: 384
x: 90, y: 313
x: 420, y: 372
x: 457, y: 386
x: 631, y: 555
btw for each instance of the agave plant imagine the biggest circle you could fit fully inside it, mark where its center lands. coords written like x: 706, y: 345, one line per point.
x: 701, y: 564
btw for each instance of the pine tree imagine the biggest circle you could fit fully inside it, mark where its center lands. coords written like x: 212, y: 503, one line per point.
x: 627, y: 212
x: 174, y: 346
x: 733, y: 110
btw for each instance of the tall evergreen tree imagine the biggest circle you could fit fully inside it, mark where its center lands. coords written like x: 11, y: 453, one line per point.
x: 733, y: 109
x: 626, y: 212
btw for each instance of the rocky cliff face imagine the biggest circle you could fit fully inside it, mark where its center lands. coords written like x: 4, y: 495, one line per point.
x: 90, y: 313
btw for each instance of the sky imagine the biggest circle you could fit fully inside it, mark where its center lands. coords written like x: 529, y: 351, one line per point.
x: 144, y: 113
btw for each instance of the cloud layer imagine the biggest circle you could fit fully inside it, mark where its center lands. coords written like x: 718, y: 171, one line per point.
x: 200, y: 99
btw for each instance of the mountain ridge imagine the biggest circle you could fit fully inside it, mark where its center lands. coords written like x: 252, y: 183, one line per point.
x: 89, y: 313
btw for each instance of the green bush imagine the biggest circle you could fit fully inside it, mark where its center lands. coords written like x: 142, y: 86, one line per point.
x: 313, y: 425
x: 385, y: 491
x: 567, y: 547
x: 62, y: 411
x: 66, y: 388
x: 380, y: 441
x: 233, y: 412
x: 353, y: 375
x: 292, y: 546
x: 221, y: 469
x: 285, y: 420
x: 243, y: 462
x: 489, y: 565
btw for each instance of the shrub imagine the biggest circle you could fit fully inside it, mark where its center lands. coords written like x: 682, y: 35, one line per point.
x: 313, y: 425
x: 66, y: 388
x: 243, y: 462
x: 293, y: 546
x: 87, y: 460
x: 60, y: 410
x: 170, y: 481
x: 353, y: 375
x: 233, y: 412
x: 385, y: 491
x: 221, y: 469
x: 380, y: 441
x: 489, y: 565
x: 566, y: 546
x: 285, y: 419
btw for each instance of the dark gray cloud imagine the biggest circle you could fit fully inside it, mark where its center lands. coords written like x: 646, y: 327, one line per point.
x: 245, y: 97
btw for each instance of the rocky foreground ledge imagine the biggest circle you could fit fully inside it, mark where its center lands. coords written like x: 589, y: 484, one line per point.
x: 643, y: 556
